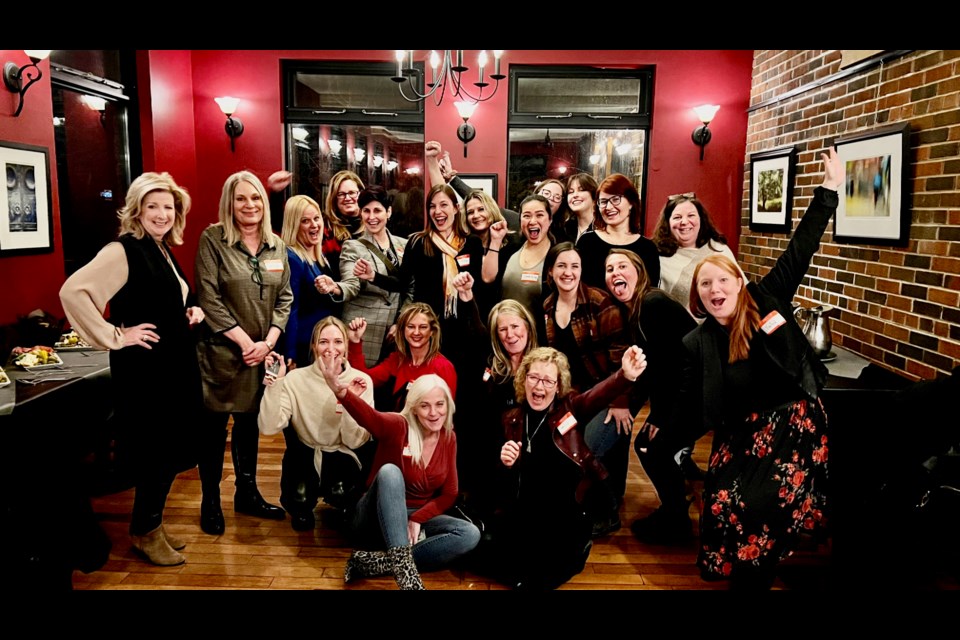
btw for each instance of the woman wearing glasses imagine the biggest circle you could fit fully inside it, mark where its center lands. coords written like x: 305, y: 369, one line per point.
x: 151, y: 316
x: 617, y: 227
x: 243, y: 285
x: 543, y: 538
x: 684, y: 236
x: 342, y: 211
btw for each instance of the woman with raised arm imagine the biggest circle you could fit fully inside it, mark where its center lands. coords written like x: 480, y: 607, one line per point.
x: 325, y: 452
x: 418, y: 352
x: 153, y: 358
x: 543, y: 536
x: 754, y: 379
x: 412, y: 483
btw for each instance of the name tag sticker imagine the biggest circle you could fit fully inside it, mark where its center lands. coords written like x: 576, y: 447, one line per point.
x: 486, y: 374
x: 772, y: 322
x: 273, y: 265
x: 406, y: 451
x: 339, y: 408
x: 568, y: 422
x: 463, y: 261
x: 530, y: 276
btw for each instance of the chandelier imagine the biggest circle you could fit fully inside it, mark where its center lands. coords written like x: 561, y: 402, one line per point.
x: 447, y: 76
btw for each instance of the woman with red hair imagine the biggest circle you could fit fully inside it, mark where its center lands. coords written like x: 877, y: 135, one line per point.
x: 617, y: 227
x: 753, y: 379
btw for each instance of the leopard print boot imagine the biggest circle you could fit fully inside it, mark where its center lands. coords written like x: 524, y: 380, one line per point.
x: 366, y: 564
x: 404, y: 568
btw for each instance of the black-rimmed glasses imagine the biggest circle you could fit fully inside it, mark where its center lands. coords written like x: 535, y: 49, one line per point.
x: 257, y: 275
x: 614, y: 200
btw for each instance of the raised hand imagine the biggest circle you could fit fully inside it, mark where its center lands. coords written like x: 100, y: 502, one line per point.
x: 498, y: 231
x: 273, y: 357
x: 432, y: 149
x: 326, y: 284
x: 358, y: 385
x: 358, y: 326
x: 463, y: 283
x: 279, y: 180
x: 834, y: 170
x: 634, y: 363
x: 331, y: 368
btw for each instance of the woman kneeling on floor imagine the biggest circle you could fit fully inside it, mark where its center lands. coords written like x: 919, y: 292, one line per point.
x: 412, y: 483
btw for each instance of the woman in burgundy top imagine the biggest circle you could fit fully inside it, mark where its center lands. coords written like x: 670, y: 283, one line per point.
x: 412, y: 483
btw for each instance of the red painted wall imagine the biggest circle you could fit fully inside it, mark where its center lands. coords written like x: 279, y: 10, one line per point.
x: 183, y: 131
x: 32, y: 281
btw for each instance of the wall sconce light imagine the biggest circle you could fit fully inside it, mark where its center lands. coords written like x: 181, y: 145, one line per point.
x: 96, y: 104
x: 391, y: 165
x: 701, y: 135
x: 335, y: 146
x: 377, y: 161
x: 465, y: 132
x: 14, y: 76
x: 358, y: 154
x: 233, y: 125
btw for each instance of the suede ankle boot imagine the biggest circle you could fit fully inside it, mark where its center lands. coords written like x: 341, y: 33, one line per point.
x: 174, y: 542
x: 155, y: 549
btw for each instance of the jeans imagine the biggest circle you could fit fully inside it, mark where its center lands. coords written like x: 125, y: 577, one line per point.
x: 385, y: 503
x: 611, y: 448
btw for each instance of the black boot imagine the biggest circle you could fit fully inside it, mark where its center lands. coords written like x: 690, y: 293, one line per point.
x: 298, y: 482
x: 244, y: 446
x: 210, y: 465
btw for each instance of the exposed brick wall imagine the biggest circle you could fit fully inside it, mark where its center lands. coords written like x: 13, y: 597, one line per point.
x: 895, y: 306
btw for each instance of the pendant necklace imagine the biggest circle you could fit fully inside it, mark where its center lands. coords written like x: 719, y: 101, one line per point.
x: 530, y: 436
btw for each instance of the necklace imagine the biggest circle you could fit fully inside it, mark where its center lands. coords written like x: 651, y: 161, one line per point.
x: 526, y: 428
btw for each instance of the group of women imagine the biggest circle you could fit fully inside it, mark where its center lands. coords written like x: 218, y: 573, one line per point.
x: 366, y: 344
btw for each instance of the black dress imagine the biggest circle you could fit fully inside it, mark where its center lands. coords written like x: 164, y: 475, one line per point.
x: 593, y: 253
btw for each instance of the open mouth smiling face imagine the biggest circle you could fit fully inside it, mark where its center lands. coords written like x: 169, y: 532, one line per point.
x: 719, y: 291
x: 621, y: 277
x: 534, y: 222
x: 541, y: 385
x: 310, y: 232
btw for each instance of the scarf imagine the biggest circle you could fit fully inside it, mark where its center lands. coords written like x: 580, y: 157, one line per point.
x: 450, y: 271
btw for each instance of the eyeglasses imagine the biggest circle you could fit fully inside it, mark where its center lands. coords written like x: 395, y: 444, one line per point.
x: 555, y: 198
x: 351, y: 195
x: 257, y: 275
x: 614, y: 200
x: 689, y: 195
x: 548, y: 384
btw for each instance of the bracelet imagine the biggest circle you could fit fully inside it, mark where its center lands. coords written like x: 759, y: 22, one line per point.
x: 494, y: 250
x: 269, y: 345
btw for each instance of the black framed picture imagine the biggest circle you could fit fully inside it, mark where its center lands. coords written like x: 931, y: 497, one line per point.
x: 26, y: 215
x: 771, y: 189
x: 875, y: 205
x: 486, y: 182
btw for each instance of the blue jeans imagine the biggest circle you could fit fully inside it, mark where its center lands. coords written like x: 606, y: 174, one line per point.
x: 610, y: 447
x: 385, y: 504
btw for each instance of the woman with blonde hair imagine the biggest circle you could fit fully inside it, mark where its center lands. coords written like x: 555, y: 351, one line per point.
x: 548, y: 470
x: 342, y: 211
x: 303, y: 231
x: 418, y: 352
x: 243, y: 284
x: 412, y: 483
x: 151, y: 349
x: 325, y: 452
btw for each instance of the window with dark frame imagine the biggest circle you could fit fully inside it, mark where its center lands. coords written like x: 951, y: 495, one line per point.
x: 570, y: 119
x: 349, y: 116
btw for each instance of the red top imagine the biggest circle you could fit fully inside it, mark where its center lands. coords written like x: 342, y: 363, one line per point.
x: 433, y: 489
x: 404, y: 372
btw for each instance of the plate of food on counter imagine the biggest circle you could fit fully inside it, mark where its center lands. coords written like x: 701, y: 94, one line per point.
x: 34, y: 358
x: 72, y: 342
x: 4, y: 378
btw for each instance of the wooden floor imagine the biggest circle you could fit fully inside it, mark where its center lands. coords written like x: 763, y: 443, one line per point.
x: 268, y: 554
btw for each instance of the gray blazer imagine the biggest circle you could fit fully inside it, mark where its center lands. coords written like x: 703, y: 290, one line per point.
x: 362, y: 299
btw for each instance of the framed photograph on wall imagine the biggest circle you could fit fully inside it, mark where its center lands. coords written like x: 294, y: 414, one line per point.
x: 771, y: 189
x: 487, y: 182
x: 26, y: 216
x: 875, y: 205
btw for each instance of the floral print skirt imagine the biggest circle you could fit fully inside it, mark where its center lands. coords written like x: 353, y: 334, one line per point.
x: 765, y: 487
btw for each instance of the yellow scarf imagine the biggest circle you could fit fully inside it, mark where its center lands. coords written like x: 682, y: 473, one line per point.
x: 450, y: 271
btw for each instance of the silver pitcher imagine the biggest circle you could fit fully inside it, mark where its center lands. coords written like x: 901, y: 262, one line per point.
x: 816, y: 328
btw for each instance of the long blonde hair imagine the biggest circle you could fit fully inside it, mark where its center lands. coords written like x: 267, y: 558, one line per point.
x: 230, y: 232
x: 418, y: 389
x: 746, y: 314
x: 292, y: 212
x: 332, y: 211
x: 142, y: 187
x: 500, y: 367
x: 407, y: 313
